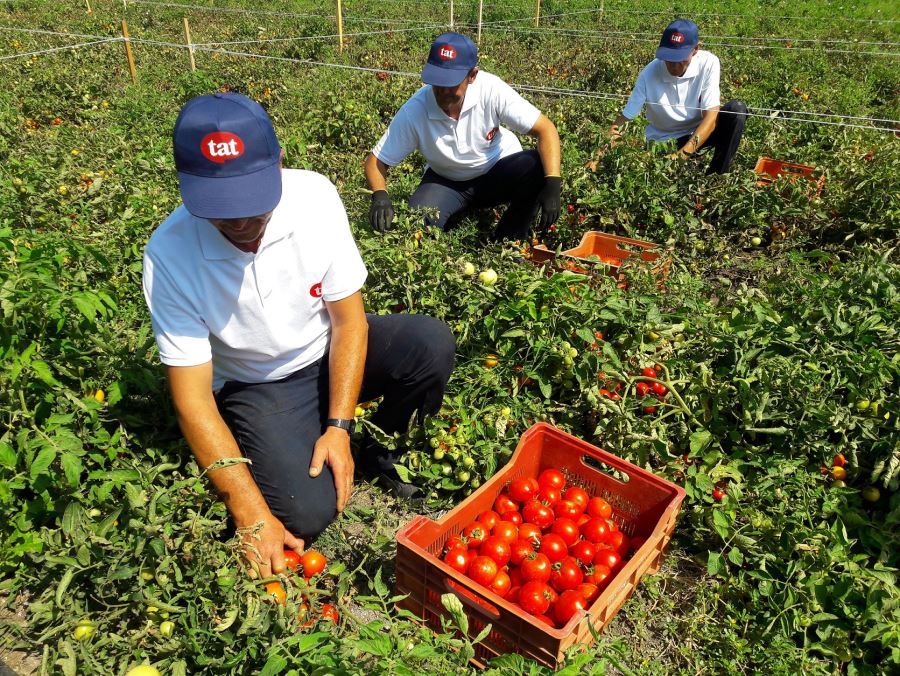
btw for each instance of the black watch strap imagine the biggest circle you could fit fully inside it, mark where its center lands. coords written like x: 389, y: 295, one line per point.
x: 345, y: 424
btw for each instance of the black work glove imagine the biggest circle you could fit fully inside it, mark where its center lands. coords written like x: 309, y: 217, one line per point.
x: 548, y: 198
x: 381, y: 212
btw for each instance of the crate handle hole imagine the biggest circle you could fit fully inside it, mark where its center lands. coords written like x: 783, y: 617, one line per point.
x: 609, y: 470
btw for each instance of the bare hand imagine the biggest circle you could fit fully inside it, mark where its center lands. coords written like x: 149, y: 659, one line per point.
x: 264, y: 549
x: 333, y: 448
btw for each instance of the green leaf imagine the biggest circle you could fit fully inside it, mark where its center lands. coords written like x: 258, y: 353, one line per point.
x: 72, y: 467
x: 699, y: 440
x: 513, y: 333
x: 42, y: 369
x: 715, y: 565
x: 63, y: 585
x: 735, y: 556
x: 7, y: 456
x: 274, y: 665
x: 545, y: 387
x: 42, y: 462
x: 380, y: 645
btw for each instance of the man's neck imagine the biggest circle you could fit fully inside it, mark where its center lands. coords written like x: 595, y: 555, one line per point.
x: 249, y: 247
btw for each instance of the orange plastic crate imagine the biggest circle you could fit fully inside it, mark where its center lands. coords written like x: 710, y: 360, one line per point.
x: 643, y: 505
x: 611, y: 250
x: 769, y: 170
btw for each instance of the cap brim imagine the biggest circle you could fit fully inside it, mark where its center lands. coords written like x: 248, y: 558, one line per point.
x: 232, y: 196
x: 673, y: 53
x: 443, y: 77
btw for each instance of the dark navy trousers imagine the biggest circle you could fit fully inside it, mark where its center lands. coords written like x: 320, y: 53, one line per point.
x: 514, y: 180
x: 276, y: 424
x: 725, y: 137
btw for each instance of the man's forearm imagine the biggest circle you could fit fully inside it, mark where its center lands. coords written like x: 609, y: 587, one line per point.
x: 548, y: 149
x: 376, y: 173
x: 346, y: 362
x: 703, y: 132
x: 211, y: 440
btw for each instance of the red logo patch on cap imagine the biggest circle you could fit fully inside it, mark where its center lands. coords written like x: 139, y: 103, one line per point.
x: 316, y: 290
x: 677, y: 38
x: 221, y: 146
x: 446, y: 53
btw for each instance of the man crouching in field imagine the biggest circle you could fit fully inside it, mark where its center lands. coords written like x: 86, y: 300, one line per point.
x: 680, y: 90
x: 253, y: 285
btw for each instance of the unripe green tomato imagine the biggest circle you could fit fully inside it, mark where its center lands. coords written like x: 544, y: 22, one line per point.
x: 475, y: 482
x: 838, y: 484
x: 439, y: 454
x: 146, y: 574
x: 573, y: 352
x: 94, y: 513
x: 463, y: 476
x: 568, y: 362
x: 167, y: 628
x: 565, y: 345
x: 446, y: 469
x: 871, y: 494
x: 506, y: 411
x: 84, y: 631
x: 863, y: 404
x: 468, y: 461
x: 434, y: 442
x: 144, y: 670
x: 462, y: 439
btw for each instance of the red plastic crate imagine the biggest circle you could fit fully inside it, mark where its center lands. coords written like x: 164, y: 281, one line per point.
x: 769, y: 170
x: 643, y: 505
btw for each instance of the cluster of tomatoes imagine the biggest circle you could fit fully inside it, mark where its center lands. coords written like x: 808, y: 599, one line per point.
x: 548, y: 548
x: 644, y: 389
x: 309, y: 564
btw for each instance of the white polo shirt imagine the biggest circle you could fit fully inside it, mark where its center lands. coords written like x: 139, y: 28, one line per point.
x: 674, y: 105
x: 459, y: 149
x: 258, y: 316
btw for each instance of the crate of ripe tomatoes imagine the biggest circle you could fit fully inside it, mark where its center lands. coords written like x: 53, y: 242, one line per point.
x: 546, y: 551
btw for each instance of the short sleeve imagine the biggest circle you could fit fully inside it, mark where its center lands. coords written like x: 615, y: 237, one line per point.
x: 513, y: 110
x: 637, y: 99
x: 399, y: 140
x: 181, y: 334
x: 347, y: 272
x: 710, y: 96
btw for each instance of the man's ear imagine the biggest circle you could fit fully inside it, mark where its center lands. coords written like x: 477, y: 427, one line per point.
x: 281, y: 160
x: 472, y: 74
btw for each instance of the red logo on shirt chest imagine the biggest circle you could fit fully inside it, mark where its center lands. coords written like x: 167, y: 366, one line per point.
x: 492, y: 133
x: 316, y: 290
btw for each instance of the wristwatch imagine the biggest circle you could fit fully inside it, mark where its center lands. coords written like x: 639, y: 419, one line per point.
x: 346, y: 425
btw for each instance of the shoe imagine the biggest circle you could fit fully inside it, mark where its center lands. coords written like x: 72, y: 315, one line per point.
x: 377, y: 463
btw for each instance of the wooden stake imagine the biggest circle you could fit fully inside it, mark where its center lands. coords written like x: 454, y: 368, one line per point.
x: 600, y: 17
x: 480, y: 10
x: 88, y: 3
x: 187, y: 41
x: 128, y: 53
x: 537, y: 13
x: 451, y: 14
x: 340, y: 26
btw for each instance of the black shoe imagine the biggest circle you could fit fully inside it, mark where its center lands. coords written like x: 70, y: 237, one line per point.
x: 377, y: 464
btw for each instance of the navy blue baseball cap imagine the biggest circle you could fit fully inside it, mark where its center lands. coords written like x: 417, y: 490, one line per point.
x: 451, y: 58
x: 678, y: 40
x: 227, y: 156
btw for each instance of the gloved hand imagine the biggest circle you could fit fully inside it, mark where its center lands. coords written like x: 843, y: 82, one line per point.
x: 381, y: 212
x: 548, y: 198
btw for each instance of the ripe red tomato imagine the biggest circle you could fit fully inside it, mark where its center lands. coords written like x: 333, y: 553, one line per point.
x: 601, y: 576
x: 506, y: 530
x: 513, y: 594
x: 566, y: 574
x: 839, y: 460
x: 567, y: 530
x: 534, y: 597
x: 474, y: 534
x: 609, y: 558
x: 519, y: 551
x: 718, y: 494
x: 536, y: 568
x: 512, y: 517
x: 504, y: 503
x: 596, y: 531
x: 458, y: 559
x: 515, y: 577
x: 501, y: 584
x: 549, y: 496
x: 454, y: 541
x: 552, y: 478
x: 659, y: 389
x: 649, y: 409
x: 569, y: 604
x: 523, y: 489
x: 620, y: 542
x: 532, y: 533
x: 329, y: 612
x: 566, y: 509
x: 641, y: 389
x: 546, y: 620
x: 599, y: 507
x: 496, y: 548
x: 313, y: 563
x: 589, y: 591
x: 291, y: 559
x: 648, y: 372
x: 554, y: 547
x: 584, y: 552
x: 489, y: 518
x: 582, y: 519
x: 483, y: 570
x: 538, y: 513
x: 613, y: 528
x: 579, y: 496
